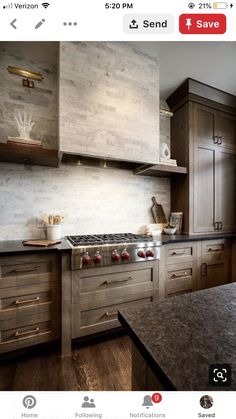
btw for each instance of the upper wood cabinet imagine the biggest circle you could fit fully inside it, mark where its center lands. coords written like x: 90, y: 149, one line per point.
x: 205, y: 124
x: 203, y: 138
x: 214, y: 127
x: 109, y: 101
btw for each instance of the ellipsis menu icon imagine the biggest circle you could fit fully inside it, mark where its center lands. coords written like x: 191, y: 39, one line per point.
x: 202, y: 24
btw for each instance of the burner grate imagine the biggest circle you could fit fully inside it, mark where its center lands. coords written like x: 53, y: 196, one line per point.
x: 107, y: 239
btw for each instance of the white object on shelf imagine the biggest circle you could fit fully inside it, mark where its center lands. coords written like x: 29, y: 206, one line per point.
x: 54, y: 232
x: 164, y: 151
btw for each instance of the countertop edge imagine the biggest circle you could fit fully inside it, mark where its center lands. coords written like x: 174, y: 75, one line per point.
x: 164, y: 380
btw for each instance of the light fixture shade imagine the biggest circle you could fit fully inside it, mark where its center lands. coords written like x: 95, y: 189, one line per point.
x: 25, y: 73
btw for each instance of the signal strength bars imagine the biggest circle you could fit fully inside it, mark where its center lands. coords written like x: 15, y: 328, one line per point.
x: 8, y: 6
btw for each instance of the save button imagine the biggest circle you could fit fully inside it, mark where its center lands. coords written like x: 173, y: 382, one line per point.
x: 202, y: 24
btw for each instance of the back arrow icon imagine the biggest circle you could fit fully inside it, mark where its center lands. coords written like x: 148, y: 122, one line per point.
x: 12, y: 23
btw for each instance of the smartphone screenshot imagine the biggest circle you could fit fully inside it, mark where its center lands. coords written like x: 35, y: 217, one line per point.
x: 117, y: 209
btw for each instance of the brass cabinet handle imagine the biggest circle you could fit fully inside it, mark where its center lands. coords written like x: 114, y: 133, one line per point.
x: 214, y: 249
x: 29, y: 332
x: 108, y: 281
x: 33, y: 300
x: 204, y: 269
x: 181, y: 252
x: 220, y: 140
x: 220, y: 225
x: 215, y: 139
x: 216, y: 226
x: 35, y: 268
x: 107, y: 314
x: 181, y: 274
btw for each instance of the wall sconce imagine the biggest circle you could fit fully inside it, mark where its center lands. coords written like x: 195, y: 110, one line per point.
x: 26, y: 73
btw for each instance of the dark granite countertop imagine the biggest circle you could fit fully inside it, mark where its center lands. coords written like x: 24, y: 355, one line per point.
x: 174, y: 238
x: 10, y: 247
x: 181, y: 336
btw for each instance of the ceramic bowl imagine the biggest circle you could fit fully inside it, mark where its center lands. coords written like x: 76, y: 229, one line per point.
x: 168, y: 230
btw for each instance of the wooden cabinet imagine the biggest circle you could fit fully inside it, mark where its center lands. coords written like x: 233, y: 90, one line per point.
x: 204, y: 188
x: 204, y: 139
x: 98, y: 294
x: 209, y: 264
x: 226, y: 189
x: 227, y: 130
x: 215, y: 263
x: 29, y: 300
x: 178, y: 269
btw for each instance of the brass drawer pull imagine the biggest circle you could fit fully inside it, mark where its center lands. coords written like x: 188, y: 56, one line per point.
x: 181, y: 274
x: 181, y: 252
x: 29, y: 332
x: 118, y: 280
x: 214, y: 249
x: 35, y: 268
x: 204, y: 269
x: 220, y: 140
x: 33, y: 300
x: 107, y: 314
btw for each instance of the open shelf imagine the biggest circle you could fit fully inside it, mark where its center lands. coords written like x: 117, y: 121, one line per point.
x: 160, y: 170
x: 28, y: 154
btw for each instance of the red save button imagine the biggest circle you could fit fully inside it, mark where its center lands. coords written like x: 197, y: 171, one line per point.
x: 202, y: 24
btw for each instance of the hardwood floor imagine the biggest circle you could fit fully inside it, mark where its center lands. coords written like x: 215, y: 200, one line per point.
x: 103, y: 366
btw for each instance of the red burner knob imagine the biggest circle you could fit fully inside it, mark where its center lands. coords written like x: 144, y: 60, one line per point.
x: 97, y: 258
x: 150, y: 253
x: 141, y: 254
x: 115, y: 256
x: 86, y: 259
x: 125, y: 255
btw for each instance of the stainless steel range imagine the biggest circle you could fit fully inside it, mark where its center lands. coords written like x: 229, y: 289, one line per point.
x: 112, y: 249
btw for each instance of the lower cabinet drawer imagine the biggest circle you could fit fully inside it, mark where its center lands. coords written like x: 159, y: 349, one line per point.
x: 178, y: 252
x: 26, y: 331
x: 101, y: 319
x: 178, y: 287
x: 29, y: 300
x: 92, y: 300
x: 213, y: 251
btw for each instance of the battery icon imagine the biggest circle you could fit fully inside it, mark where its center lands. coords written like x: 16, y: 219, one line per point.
x: 220, y: 5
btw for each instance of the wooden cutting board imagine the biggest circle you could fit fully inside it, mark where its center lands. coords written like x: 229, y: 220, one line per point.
x: 41, y: 243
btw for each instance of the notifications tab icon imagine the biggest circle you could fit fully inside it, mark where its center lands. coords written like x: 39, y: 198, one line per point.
x: 202, y: 24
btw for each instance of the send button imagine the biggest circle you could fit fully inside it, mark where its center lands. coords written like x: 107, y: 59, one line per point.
x: 149, y: 24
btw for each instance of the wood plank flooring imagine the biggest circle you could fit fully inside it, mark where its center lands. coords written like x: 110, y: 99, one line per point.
x: 103, y: 366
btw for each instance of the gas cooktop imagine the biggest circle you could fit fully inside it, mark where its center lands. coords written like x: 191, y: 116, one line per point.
x: 101, y: 239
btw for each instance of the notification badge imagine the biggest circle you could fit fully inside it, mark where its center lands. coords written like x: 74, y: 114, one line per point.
x: 202, y: 24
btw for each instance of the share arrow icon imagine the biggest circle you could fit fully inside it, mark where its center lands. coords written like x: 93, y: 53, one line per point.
x: 13, y: 23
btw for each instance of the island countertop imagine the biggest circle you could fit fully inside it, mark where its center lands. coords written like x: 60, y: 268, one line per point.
x: 180, y: 337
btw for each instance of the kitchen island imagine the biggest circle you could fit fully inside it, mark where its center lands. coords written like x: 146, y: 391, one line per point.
x: 176, y: 340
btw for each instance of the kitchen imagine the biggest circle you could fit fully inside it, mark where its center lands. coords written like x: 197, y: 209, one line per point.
x: 105, y: 171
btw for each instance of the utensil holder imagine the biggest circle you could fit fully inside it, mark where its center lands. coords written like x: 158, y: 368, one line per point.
x: 54, y: 232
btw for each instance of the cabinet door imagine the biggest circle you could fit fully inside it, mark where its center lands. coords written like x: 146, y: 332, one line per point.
x: 214, y: 274
x: 226, y: 189
x: 204, y: 188
x: 205, y: 124
x: 227, y: 130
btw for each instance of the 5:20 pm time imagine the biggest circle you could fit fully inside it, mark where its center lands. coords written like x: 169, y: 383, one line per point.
x: 119, y: 6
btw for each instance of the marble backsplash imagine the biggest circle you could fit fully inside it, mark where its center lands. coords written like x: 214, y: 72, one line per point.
x: 93, y: 200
